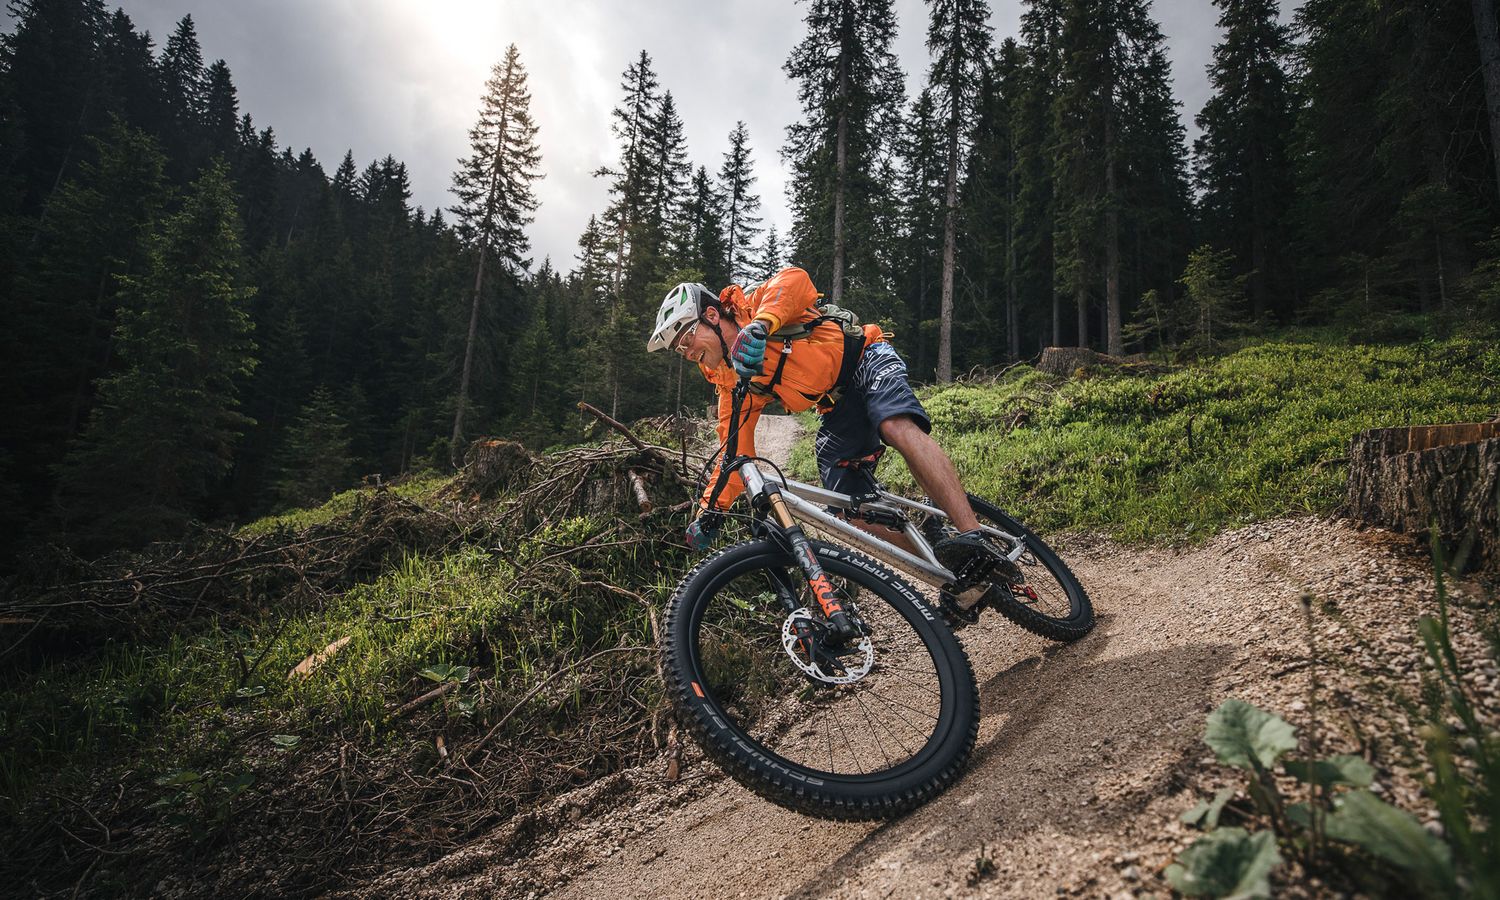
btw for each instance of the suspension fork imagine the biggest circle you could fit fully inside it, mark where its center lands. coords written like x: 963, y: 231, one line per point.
x: 842, y: 623
x: 801, y: 549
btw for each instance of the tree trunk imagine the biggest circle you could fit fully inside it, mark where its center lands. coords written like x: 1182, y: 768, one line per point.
x: 840, y: 160
x: 1012, y: 320
x: 1258, y: 270
x: 1056, y: 317
x: 1081, y: 295
x: 1442, y: 477
x: 455, y: 446
x: 1114, y: 343
x: 950, y: 240
x: 1489, y: 62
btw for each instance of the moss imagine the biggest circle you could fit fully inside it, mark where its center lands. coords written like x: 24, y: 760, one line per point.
x: 1258, y: 433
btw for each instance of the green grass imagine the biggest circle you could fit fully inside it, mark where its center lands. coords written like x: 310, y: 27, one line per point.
x: 342, y: 503
x: 1270, y: 423
x: 183, y: 702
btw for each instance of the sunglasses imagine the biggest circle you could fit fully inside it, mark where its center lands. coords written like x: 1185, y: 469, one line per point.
x: 681, y: 343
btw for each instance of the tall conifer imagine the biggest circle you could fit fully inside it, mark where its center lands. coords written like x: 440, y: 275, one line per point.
x: 1243, y: 162
x: 851, y: 91
x: 958, y: 37
x: 164, y: 431
x: 741, y: 204
x: 495, y: 200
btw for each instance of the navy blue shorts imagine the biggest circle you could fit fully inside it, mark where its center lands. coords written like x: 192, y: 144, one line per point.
x: 852, y: 428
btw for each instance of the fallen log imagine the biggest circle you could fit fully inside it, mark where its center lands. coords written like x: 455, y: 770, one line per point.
x: 1432, y: 478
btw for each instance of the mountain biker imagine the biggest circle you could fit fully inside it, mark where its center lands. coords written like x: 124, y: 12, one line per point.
x: 856, y: 381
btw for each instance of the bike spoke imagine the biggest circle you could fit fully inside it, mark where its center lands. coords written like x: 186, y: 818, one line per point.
x: 876, y: 723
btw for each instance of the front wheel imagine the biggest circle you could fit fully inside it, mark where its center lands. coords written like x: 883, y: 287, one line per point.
x: 1048, y: 600
x: 865, y: 729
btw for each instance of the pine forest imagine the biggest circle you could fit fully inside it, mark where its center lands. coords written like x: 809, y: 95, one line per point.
x: 355, y: 547
x: 205, y: 325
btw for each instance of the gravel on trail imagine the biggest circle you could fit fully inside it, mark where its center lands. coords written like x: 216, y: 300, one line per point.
x: 1087, y: 753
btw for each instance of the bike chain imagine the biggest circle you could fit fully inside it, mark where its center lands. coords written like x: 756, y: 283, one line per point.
x: 977, y: 571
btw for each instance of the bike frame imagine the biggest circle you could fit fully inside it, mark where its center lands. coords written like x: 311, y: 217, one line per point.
x: 806, y: 502
x: 789, y: 502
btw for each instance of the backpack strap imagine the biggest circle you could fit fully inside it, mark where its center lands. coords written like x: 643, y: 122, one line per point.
x: 854, y: 350
x: 786, y: 335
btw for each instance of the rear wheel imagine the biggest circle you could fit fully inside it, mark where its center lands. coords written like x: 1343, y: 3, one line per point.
x: 863, y: 730
x: 1048, y: 600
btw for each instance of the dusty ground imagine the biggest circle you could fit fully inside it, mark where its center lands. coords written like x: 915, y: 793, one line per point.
x: 1086, y: 755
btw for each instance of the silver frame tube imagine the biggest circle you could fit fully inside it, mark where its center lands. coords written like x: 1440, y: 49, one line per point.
x: 825, y: 497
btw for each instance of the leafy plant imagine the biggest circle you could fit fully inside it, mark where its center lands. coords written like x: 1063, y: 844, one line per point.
x: 441, y: 672
x: 1227, y: 862
x: 1233, y: 862
x: 1464, y: 781
x: 200, y: 803
x: 984, y: 867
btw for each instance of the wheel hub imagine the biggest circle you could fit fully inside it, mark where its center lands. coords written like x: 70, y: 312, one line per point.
x: 805, y: 639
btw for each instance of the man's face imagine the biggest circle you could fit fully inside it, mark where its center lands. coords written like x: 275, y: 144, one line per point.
x: 699, y: 344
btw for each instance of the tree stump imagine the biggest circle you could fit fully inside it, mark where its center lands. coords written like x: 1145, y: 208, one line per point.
x: 1066, y: 361
x: 1442, y: 477
x: 492, y: 465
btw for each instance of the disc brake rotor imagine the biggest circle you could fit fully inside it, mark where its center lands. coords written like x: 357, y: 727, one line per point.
x: 857, y: 659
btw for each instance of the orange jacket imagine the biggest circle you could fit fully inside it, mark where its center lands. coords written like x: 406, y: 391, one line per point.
x: 812, y: 364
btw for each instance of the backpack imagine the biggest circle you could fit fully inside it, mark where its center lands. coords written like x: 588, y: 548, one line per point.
x: 854, y: 345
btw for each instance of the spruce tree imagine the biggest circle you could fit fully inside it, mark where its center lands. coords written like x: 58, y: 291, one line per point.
x: 670, y: 174
x: 183, y: 76
x: 49, y: 82
x: 1243, y: 162
x: 185, y: 93
x: 644, y: 185
x: 705, y: 249
x: 220, y: 108
x: 741, y: 205
x: 769, y: 259
x: 958, y: 37
x: 1391, y: 123
x: 634, y: 123
x: 130, y: 76
x: 1032, y: 105
x: 59, y: 338
x: 988, y: 202
x: 163, y: 434
x: 1120, y: 162
x: 315, y: 458
x: 495, y: 200
x: 851, y: 91
x: 918, y: 259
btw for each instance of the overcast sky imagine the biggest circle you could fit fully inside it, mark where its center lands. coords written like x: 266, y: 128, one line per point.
x: 404, y: 78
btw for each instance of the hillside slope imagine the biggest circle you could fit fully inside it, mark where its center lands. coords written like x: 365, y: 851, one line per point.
x: 1086, y: 755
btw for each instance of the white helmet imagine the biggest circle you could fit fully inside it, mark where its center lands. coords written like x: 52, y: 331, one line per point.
x: 682, y: 307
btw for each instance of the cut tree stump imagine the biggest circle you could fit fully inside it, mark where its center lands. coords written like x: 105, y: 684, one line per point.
x: 1068, y: 361
x: 493, y: 465
x: 1446, y: 477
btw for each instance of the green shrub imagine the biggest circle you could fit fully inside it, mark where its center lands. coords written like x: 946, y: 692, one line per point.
x: 1260, y: 433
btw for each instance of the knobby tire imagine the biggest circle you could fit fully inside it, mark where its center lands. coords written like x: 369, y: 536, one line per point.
x: 716, y: 712
x: 1041, y: 563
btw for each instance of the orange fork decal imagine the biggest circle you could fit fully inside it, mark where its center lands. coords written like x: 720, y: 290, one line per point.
x: 823, y: 590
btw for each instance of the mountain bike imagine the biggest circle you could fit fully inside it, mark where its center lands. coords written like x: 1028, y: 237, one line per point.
x: 817, y: 676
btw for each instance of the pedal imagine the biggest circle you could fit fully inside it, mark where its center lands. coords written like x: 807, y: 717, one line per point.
x: 978, y: 572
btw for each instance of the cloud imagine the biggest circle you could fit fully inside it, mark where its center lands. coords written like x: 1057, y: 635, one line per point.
x: 394, y: 77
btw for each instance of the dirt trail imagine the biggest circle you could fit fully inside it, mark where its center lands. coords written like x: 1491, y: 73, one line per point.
x: 1086, y: 755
